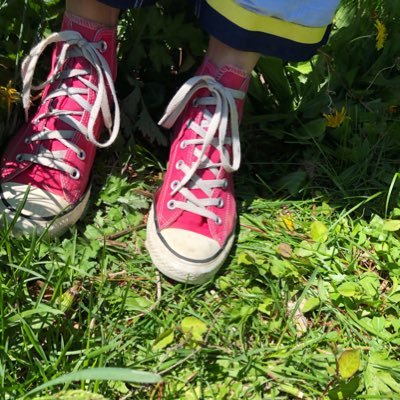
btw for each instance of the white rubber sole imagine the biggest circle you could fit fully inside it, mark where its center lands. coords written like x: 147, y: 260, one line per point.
x: 54, y: 227
x: 177, y: 268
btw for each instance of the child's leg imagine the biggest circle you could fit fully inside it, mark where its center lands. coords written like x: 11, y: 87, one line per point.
x: 221, y: 54
x: 51, y: 157
x: 192, y: 221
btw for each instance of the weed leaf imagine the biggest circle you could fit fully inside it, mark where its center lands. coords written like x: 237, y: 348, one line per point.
x: 347, y: 289
x: 311, y: 304
x: 392, y: 225
x: 349, y: 363
x: 194, y: 327
x: 319, y: 232
x: 164, y: 339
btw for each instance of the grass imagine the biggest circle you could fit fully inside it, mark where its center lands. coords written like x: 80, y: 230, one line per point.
x: 306, y: 306
x: 305, y: 283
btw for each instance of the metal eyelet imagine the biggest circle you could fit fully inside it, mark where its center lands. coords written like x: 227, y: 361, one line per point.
x: 220, y: 203
x: 183, y: 145
x: 179, y: 164
x: 195, y: 102
x: 171, y: 205
x: 81, y: 155
x: 18, y: 158
x: 225, y: 184
x: 174, y: 184
x: 27, y: 141
x: 75, y: 174
x: 218, y: 221
x: 103, y: 47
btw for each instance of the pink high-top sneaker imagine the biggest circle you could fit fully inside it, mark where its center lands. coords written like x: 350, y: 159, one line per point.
x: 190, y: 229
x: 48, y: 162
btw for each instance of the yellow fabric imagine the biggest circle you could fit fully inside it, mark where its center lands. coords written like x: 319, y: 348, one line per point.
x: 251, y: 21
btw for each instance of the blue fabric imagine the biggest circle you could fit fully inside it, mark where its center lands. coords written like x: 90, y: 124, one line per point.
x: 314, y: 13
x: 223, y: 29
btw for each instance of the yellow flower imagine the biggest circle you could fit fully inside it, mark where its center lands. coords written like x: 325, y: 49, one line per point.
x: 8, y: 96
x: 381, y: 34
x: 286, y: 221
x: 335, y: 119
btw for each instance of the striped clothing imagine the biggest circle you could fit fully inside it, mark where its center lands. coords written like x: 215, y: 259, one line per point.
x: 292, y: 30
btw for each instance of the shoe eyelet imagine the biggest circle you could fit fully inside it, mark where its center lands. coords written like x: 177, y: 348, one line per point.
x: 81, y: 155
x: 225, y: 184
x: 218, y: 221
x: 183, y: 145
x: 171, y: 205
x: 103, y: 47
x: 179, y: 164
x: 174, y: 184
x: 75, y: 174
x: 220, y: 203
x: 18, y: 158
x: 27, y: 141
x: 189, y: 123
x: 195, y: 102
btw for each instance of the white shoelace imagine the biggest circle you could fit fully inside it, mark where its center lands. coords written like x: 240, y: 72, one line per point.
x: 91, y: 52
x: 212, y: 131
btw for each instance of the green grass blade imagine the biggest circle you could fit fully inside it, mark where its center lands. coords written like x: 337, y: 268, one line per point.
x: 104, y: 374
x: 389, y: 195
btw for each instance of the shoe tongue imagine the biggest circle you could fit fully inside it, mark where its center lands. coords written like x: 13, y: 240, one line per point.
x: 228, y: 75
x: 94, y: 32
x: 88, y: 29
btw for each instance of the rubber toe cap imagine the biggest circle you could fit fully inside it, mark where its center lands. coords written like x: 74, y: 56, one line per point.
x: 40, y: 205
x: 190, y: 245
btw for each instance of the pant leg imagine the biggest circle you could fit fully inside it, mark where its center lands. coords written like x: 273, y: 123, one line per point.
x: 124, y: 4
x: 305, y: 12
x: 291, y: 30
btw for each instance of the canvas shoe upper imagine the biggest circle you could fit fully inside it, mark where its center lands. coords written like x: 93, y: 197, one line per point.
x: 48, y: 162
x: 191, y: 224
